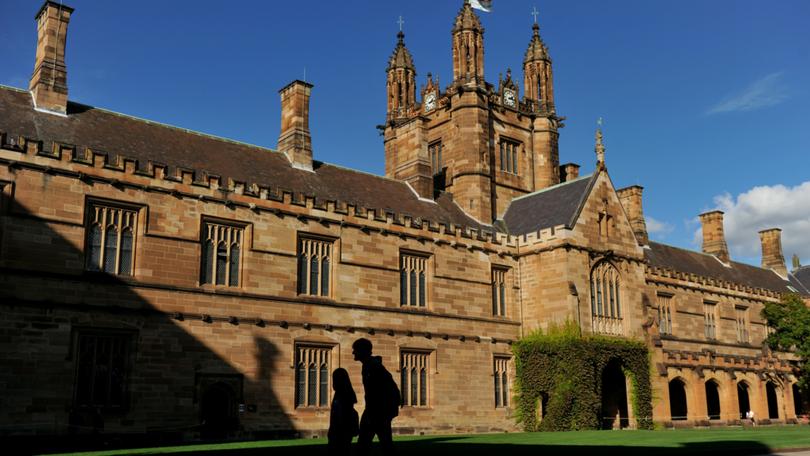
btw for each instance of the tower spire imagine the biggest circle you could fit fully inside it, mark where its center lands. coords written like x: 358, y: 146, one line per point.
x: 468, y: 46
x: 401, y: 81
x: 537, y: 75
x: 600, y: 147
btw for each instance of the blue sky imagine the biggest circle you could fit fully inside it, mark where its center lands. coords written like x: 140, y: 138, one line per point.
x: 705, y: 103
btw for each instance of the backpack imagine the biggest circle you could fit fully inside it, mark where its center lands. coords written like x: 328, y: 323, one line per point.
x: 394, y: 396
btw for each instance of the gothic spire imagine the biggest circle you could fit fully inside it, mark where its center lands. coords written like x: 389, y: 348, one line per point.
x: 467, y: 19
x: 537, y: 50
x: 401, y: 57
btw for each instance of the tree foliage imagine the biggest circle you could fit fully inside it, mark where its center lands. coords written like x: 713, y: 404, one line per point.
x: 790, y: 321
x: 563, y: 370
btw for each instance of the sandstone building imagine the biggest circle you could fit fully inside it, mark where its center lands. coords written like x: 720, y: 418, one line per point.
x: 154, y: 279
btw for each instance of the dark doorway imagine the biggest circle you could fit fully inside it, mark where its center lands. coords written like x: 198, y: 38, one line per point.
x: 218, y: 411
x: 677, y: 400
x: 742, y: 399
x: 614, y: 397
x: 798, y: 402
x: 773, y: 402
x: 713, y: 400
x: 542, y: 406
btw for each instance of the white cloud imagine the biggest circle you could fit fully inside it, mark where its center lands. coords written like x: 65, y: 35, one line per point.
x: 765, y: 207
x: 657, y: 228
x: 764, y: 92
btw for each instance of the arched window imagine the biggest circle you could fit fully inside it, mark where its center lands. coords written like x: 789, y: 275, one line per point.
x: 222, y: 263
x: 125, y: 267
x: 94, y: 263
x: 606, y: 308
x: 110, y: 249
x: 221, y: 254
x: 233, y: 275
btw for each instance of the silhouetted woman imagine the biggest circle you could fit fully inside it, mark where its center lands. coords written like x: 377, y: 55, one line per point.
x: 343, y: 420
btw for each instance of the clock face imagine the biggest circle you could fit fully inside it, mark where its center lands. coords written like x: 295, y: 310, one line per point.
x: 509, y: 98
x: 430, y: 101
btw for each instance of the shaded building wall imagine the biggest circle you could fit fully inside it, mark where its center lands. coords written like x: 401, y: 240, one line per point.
x: 183, y: 330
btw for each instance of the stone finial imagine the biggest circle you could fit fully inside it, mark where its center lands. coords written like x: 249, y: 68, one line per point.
x: 600, y: 146
x: 796, y: 262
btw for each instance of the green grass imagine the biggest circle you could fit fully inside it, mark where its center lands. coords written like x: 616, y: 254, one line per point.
x: 730, y: 441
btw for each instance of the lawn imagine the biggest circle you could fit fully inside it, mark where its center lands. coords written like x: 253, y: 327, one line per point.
x: 716, y: 442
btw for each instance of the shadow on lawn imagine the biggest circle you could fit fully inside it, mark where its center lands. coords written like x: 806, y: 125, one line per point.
x: 449, y: 446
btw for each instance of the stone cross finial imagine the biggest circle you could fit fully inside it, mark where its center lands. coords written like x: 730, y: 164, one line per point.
x: 401, y: 22
x: 535, y: 13
x: 600, y: 147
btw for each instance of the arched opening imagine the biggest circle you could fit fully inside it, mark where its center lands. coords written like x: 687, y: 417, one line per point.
x: 773, y: 402
x: 614, y: 397
x: 798, y: 401
x: 742, y: 399
x: 713, y: 400
x: 218, y: 411
x: 542, y: 406
x: 677, y: 400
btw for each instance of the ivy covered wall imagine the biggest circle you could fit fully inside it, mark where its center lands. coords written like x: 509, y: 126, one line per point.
x: 561, y: 376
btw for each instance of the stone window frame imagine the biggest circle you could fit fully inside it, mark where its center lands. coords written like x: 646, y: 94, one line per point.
x: 126, y: 339
x: 415, y: 364
x: 710, y: 318
x: 309, y: 393
x: 509, y: 156
x: 742, y: 324
x: 414, y: 279
x: 500, y: 290
x: 229, y: 232
x: 501, y: 385
x: 322, y: 249
x: 436, y: 152
x: 121, y: 217
x: 665, y: 312
x: 606, y: 315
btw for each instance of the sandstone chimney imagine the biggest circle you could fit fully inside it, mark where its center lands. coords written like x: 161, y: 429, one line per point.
x: 569, y: 172
x: 772, y: 257
x: 714, y: 240
x: 294, y: 141
x: 48, y: 84
x: 631, y: 201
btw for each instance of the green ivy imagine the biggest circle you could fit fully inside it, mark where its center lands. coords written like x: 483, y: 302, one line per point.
x: 564, y: 370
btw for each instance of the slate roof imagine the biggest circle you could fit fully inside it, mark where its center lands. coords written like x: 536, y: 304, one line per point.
x: 702, y: 264
x: 146, y: 141
x: 800, y: 279
x: 552, y: 206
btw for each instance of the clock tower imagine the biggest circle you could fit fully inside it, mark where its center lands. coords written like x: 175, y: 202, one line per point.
x: 483, y: 145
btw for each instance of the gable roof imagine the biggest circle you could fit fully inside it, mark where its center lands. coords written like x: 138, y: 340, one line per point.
x: 145, y: 141
x: 702, y: 264
x: 556, y: 205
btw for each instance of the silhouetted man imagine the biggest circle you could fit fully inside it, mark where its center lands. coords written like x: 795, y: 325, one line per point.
x: 382, y: 400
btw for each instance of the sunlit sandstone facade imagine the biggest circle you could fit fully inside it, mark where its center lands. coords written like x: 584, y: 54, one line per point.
x: 158, y: 280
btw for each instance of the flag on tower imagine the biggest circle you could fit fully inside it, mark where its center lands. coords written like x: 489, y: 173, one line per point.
x: 483, y: 5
